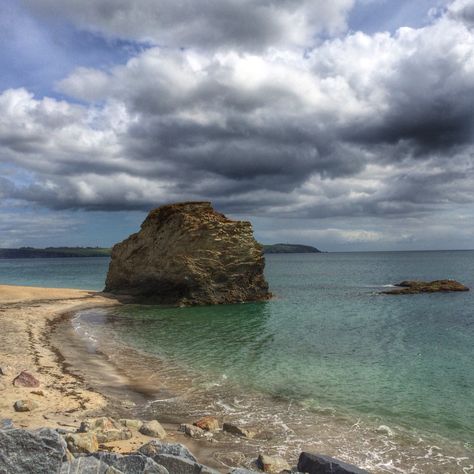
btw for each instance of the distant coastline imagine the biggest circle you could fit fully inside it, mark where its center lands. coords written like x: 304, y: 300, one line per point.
x: 72, y: 252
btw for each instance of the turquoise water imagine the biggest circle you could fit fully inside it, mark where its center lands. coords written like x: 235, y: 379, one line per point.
x: 328, y: 342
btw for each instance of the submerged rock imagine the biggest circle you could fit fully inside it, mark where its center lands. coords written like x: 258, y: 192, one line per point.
x: 239, y: 430
x: 207, y: 423
x: 320, y: 464
x: 411, y: 287
x: 189, y: 254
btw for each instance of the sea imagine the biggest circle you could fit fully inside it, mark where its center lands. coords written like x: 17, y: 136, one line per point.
x: 329, y: 365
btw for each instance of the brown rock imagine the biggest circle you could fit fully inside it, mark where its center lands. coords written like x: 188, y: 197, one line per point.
x: 154, y: 429
x: 105, y: 429
x: 272, y: 464
x: 438, y: 286
x: 189, y: 254
x: 207, y: 423
x: 82, y: 442
x: 132, y: 424
x: 239, y: 430
x: 25, y: 379
x: 25, y: 405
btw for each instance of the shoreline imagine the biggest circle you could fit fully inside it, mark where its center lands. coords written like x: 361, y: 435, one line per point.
x: 31, y: 317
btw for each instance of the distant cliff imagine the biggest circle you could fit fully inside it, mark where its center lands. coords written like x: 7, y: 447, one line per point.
x: 189, y: 254
x: 290, y: 248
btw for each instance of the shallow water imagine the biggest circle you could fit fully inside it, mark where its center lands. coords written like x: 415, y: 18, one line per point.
x: 330, y: 365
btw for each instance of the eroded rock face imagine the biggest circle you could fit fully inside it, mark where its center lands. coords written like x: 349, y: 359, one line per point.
x: 189, y: 254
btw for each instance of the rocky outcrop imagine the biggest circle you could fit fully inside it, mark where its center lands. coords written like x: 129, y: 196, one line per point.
x: 189, y: 254
x: 438, y: 286
x: 320, y: 464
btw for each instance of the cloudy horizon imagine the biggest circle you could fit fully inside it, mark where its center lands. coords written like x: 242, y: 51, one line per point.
x: 348, y: 125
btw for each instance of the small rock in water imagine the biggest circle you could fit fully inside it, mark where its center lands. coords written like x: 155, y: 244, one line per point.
x: 82, y: 442
x: 207, y: 423
x: 272, y: 464
x: 25, y: 379
x: 25, y: 405
x: 193, y: 431
x: 238, y: 430
x: 383, y: 429
x: 411, y: 287
x: 320, y: 464
x: 153, y: 428
x: 106, y: 429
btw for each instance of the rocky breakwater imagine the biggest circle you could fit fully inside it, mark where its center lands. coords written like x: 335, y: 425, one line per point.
x: 189, y: 254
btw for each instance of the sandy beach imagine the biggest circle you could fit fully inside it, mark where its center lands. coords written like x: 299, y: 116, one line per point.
x: 64, y: 399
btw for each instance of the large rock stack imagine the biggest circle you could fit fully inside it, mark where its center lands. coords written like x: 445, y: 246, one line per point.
x: 189, y: 254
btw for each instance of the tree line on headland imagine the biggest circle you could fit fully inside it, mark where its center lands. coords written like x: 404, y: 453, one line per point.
x: 58, y: 252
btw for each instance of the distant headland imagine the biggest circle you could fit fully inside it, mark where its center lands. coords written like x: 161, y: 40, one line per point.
x: 62, y: 252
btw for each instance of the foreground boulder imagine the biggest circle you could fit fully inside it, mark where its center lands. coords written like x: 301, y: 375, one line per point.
x: 189, y: 254
x: 319, y: 464
x: 41, y: 451
x: 412, y: 287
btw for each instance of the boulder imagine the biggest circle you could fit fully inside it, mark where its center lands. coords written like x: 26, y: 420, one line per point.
x: 44, y: 449
x: 131, y: 424
x: 153, y: 428
x: 239, y: 430
x: 189, y: 254
x: 106, y: 429
x: 131, y: 463
x: 207, y: 423
x: 25, y: 405
x: 411, y: 287
x: 193, y: 431
x: 25, y: 379
x: 272, y: 464
x: 320, y: 464
x: 179, y: 465
x: 241, y: 470
x: 155, y: 447
x: 82, y: 442
x: 86, y: 465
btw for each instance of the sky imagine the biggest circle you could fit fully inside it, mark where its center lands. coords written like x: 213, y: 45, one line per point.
x: 344, y: 124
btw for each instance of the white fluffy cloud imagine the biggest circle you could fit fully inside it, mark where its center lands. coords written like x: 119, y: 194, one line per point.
x: 358, y: 125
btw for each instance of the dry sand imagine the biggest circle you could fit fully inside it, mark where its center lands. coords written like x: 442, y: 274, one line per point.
x: 27, y: 316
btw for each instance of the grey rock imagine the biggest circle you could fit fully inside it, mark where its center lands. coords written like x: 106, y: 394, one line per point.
x: 131, y: 464
x: 160, y: 447
x: 320, y: 464
x: 241, y: 470
x: 84, y: 465
x: 179, y: 465
x: 6, y: 370
x: 6, y: 424
x: 25, y: 405
x: 44, y: 449
x: 153, y: 428
x: 238, y: 430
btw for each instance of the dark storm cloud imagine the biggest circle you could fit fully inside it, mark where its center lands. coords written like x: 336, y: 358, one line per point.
x: 362, y: 125
x: 242, y: 24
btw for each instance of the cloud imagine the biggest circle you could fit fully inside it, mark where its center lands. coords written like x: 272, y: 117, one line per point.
x: 359, y: 125
x: 250, y: 25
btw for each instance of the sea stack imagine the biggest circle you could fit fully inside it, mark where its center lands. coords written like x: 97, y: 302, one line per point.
x: 189, y: 254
